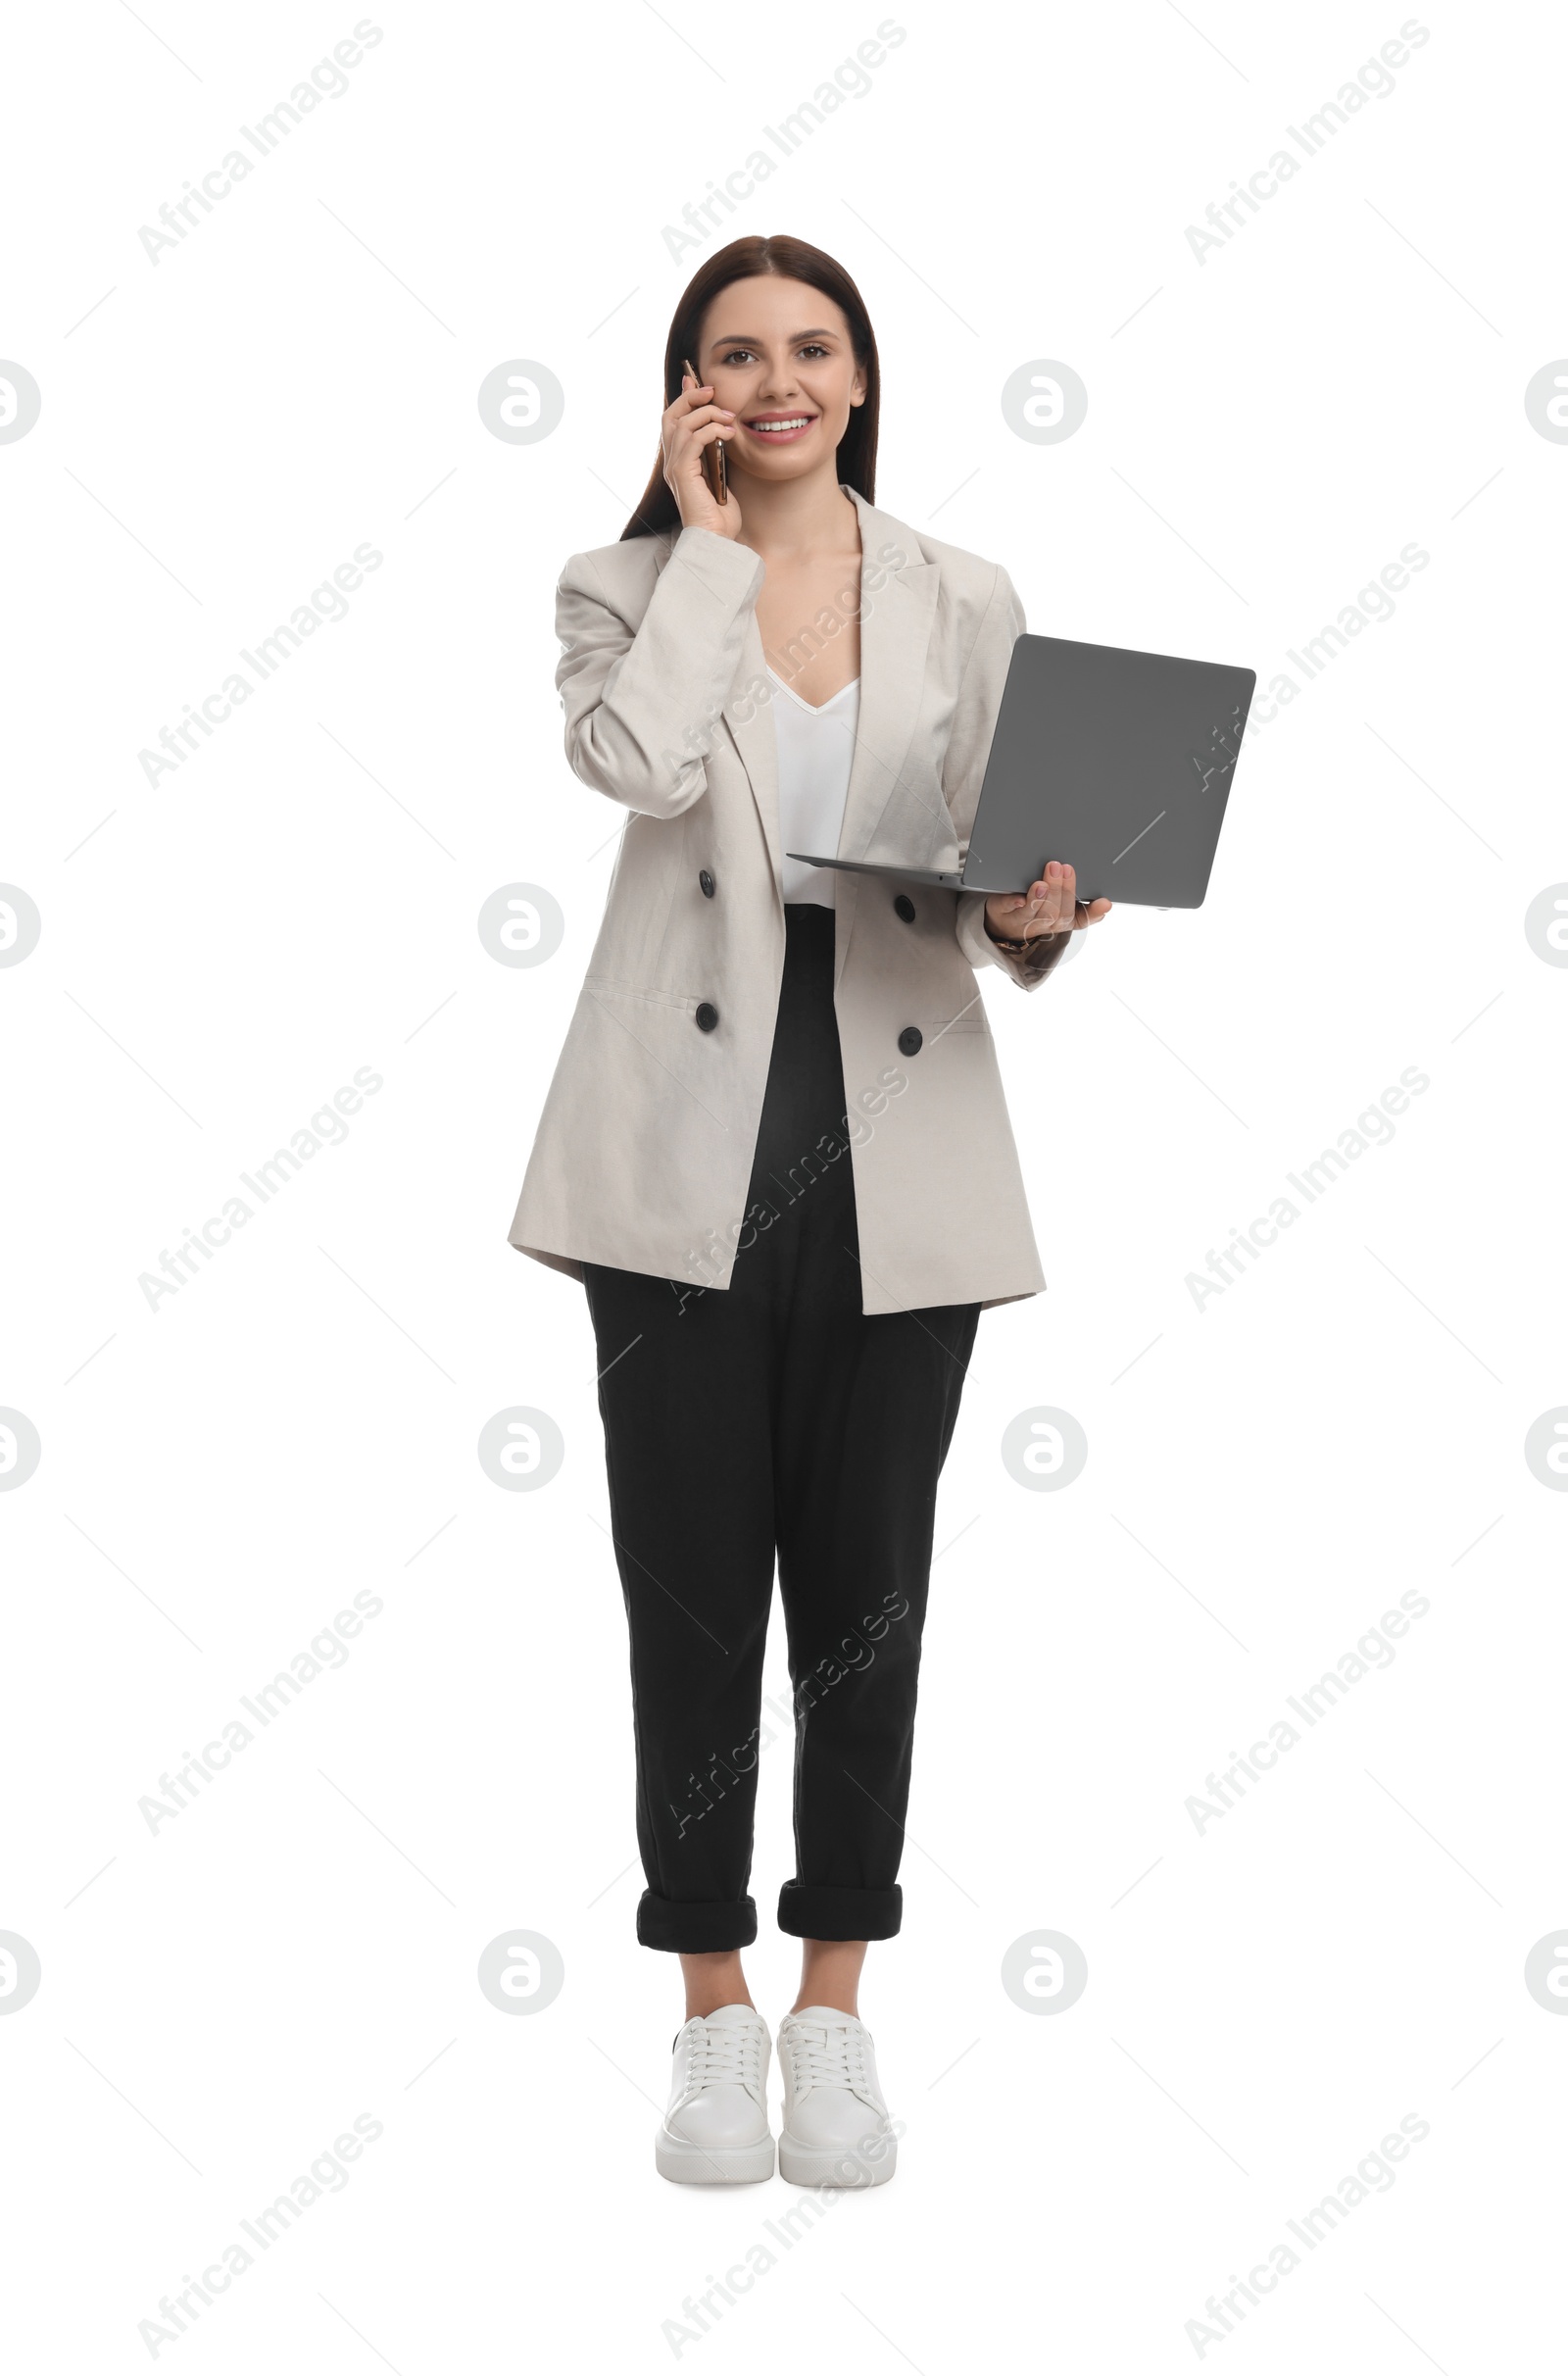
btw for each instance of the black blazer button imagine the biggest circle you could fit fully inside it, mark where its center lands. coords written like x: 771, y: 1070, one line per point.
x: 905, y: 906
x: 706, y: 881
x: 909, y: 1042
x: 707, y: 1017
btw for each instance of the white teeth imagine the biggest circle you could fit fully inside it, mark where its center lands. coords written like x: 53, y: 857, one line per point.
x: 775, y: 428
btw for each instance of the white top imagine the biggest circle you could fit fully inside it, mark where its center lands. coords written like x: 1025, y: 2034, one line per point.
x: 815, y: 748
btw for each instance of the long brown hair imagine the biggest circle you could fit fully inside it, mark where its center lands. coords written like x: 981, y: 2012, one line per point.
x: 746, y: 260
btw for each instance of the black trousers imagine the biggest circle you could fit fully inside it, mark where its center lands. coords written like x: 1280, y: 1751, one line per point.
x: 775, y: 1418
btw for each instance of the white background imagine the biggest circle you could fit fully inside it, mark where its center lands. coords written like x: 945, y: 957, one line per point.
x: 1266, y: 429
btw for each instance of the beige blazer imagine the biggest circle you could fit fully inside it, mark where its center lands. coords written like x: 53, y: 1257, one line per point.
x: 643, y: 1153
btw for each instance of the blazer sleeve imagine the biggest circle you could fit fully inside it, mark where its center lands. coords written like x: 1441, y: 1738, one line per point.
x: 968, y: 748
x: 641, y: 702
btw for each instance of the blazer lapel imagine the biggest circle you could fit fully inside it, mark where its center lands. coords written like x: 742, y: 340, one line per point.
x: 752, y: 733
x: 881, y: 821
x: 755, y: 739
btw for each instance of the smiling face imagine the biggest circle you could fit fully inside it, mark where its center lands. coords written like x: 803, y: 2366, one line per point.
x: 779, y: 355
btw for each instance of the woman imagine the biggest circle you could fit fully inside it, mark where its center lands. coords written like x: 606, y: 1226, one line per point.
x: 776, y: 1153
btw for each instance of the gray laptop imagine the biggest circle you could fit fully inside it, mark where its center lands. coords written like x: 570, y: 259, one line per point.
x: 1116, y: 762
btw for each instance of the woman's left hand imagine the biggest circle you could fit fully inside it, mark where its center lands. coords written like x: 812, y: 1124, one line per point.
x: 1051, y: 905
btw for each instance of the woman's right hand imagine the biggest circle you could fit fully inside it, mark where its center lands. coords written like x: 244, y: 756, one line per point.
x: 691, y: 423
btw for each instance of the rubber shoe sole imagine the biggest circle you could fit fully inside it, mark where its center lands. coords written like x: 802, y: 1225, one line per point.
x: 691, y: 2164
x: 841, y: 2165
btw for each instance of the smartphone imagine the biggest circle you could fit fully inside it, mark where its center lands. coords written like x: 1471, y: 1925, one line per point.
x: 714, y: 469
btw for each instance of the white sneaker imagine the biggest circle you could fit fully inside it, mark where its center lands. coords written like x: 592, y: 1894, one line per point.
x: 716, y: 2131
x: 836, y: 2130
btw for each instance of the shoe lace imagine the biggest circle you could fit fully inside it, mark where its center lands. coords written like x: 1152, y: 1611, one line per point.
x: 723, y: 2056
x: 824, y: 2055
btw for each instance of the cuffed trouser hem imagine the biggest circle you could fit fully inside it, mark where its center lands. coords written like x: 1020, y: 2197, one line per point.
x: 707, y: 1928
x: 807, y: 1911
